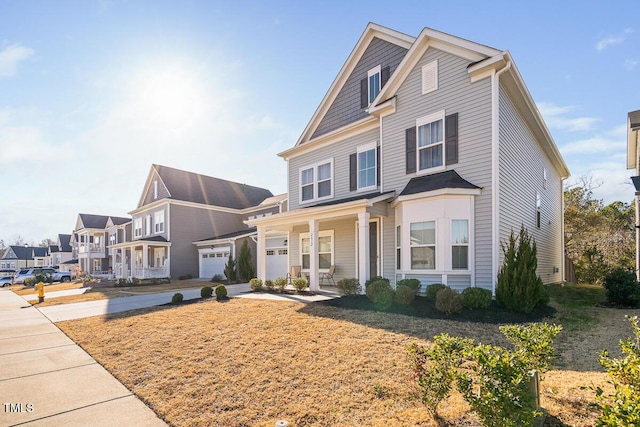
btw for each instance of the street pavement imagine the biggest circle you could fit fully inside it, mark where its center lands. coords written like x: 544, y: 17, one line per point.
x: 48, y: 380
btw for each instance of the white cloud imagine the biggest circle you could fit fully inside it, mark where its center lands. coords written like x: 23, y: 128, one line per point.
x: 23, y: 147
x: 630, y: 64
x: 613, y: 40
x: 555, y: 116
x: 612, y: 141
x: 11, y: 57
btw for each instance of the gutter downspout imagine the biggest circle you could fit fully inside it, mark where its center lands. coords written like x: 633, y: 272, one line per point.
x: 495, y: 170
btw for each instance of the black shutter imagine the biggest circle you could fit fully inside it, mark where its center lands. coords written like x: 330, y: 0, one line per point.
x: 384, y: 75
x: 451, y: 138
x: 378, y: 166
x: 411, y: 149
x: 364, y: 93
x: 353, y: 172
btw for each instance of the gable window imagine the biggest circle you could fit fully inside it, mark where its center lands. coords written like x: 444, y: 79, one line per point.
x: 158, y: 221
x: 429, y: 77
x: 325, y: 250
x: 316, y: 181
x: 137, y: 227
x: 460, y: 244
x: 430, y: 141
x: 423, y: 245
x: 155, y: 189
x: 373, y: 78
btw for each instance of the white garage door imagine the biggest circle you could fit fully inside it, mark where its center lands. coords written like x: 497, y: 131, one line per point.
x: 212, y: 262
x: 277, y: 263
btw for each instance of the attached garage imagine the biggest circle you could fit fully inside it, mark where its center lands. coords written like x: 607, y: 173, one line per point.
x: 277, y: 259
x: 212, y: 261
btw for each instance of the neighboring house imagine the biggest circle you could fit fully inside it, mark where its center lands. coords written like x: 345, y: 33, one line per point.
x: 90, y: 243
x: 18, y: 256
x: 633, y: 162
x: 423, y: 156
x: 177, y: 209
x: 59, y: 253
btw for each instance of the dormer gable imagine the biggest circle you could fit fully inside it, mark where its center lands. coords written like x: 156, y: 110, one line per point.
x: 154, y: 188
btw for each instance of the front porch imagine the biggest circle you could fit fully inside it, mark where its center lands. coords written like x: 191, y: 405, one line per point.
x: 141, y: 259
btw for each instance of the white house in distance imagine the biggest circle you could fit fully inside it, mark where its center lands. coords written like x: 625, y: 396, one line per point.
x: 422, y: 157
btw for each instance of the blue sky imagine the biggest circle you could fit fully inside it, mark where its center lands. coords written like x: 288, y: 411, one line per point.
x: 93, y: 92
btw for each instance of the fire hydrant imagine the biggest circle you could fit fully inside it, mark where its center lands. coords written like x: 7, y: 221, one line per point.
x: 40, y: 288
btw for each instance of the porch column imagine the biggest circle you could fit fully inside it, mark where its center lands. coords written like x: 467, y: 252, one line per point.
x: 167, y: 262
x: 363, y: 248
x: 145, y: 260
x: 314, y: 276
x: 261, y: 261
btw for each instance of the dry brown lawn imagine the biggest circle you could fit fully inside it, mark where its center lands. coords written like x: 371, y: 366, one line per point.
x: 253, y: 362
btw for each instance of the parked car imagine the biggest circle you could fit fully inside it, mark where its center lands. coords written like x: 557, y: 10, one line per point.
x: 52, y: 275
x: 6, y: 281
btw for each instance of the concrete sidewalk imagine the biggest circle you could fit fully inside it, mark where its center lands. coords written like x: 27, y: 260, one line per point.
x: 56, y: 294
x: 46, y: 379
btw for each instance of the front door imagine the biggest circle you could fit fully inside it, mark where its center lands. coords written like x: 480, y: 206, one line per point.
x: 373, y: 249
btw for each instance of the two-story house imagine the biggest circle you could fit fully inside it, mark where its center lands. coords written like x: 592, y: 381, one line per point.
x: 633, y: 162
x: 176, y: 211
x: 90, y: 243
x: 59, y: 253
x: 422, y: 157
x: 19, y: 256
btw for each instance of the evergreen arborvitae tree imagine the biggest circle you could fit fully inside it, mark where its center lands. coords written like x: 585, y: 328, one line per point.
x: 519, y: 288
x: 245, y: 266
x: 230, y: 270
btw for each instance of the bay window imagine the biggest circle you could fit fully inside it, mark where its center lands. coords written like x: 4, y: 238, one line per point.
x: 423, y: 245
x: 460, y: 244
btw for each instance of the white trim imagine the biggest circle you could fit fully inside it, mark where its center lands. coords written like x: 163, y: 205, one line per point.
x: 372, y: 72
x: 155, y: 189
x: 421, y: 121
x: 468, y: 244
x: 158, y: 220
x: 315, y: 181
x: 429, y: 75
x: 363, y: 149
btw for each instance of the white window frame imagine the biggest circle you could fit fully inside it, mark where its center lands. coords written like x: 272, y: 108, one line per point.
x: 434, y: 245
x: 314, y: 183
x: 363, y: 149
x: 398, y: 247
x: 137, y: 227
x: 324, y: 233
x: 457, y: 245
x: 372, y: 73
x: 429, y: 77
x: 155, y: 189
x: 425, y: 120
x: 147, y: 225
x: 158, y: 222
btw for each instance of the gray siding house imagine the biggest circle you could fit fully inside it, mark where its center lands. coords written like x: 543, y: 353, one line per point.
x: 176, y: 211
x: 422, y: 157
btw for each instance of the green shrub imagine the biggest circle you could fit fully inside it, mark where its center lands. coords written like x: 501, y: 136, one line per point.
x: 448, y: 301
x: 493, y: 380
x: 381, y: 293
x: 410, y: 283
x: 476, y: 298
x: 622, y: 408
x: 269, y: 285
x: 221, y: 292
x: 300, y: 284
x: 349, y: 286
x: 519, y: 288
x: 177, y: 298
x: 432, y: 291
x: 30, y: 281
x: 122, y: 282
x: 376, y: 279
x: 280, y: 283
x: 256, y: 284
x: 230, y: 270
x: 206, y: 292
x: 135, y: 281
x: 245, y: 266
x: 42, y: 276
x: 217, y: 278
x: 404, y: 295
x: 622, y: 287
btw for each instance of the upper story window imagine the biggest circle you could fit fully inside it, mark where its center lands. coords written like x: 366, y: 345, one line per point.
x: 367, y: 166
x: 137, y: 227
x: 430, y: 141
x: 147, y: 223
x: 430, y: 77
x: 316, y: 181
x: 112, y: 239
x: 373, y: 78
x: 158, y: 221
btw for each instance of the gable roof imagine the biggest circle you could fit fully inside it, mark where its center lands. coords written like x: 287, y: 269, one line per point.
x: 30, y: 251
x: 372, y: 30
x: 98, y: 221
x: 196, y: 188
x: 64, y: 241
